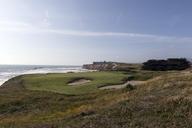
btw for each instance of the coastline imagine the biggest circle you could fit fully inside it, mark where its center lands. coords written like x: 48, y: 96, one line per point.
x: 14, y: 71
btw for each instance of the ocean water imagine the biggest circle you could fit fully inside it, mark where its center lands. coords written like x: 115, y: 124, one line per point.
x: 9, y: 71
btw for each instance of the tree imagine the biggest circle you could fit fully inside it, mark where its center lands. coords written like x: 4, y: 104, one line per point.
x: 164, y: 65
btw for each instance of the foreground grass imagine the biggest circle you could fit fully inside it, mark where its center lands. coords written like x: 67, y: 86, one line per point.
x: 165, y: 102
x: 162, y: 102
x: 21, y: 108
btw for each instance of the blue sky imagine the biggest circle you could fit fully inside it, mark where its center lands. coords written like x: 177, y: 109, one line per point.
x: 63, y: 32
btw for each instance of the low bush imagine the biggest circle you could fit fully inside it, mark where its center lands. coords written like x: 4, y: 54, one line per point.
x: 169, y: 64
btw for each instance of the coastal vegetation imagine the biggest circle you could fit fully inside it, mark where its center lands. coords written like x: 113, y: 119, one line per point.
x: 49, y: 101
x: 169, y: 64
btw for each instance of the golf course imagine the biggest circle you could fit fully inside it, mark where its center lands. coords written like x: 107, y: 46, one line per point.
x: 76, y: 100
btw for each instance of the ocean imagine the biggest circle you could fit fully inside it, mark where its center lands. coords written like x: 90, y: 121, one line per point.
x: 9, y: 71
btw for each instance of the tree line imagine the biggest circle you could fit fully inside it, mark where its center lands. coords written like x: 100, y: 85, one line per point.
x: 169, y: 64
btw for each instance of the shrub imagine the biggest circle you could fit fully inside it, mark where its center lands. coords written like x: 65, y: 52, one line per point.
x: 164, y: 65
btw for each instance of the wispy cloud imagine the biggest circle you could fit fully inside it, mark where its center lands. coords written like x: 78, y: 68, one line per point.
x: 21, y: 27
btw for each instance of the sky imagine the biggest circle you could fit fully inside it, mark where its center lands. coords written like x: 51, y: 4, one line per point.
x: 75, y: 32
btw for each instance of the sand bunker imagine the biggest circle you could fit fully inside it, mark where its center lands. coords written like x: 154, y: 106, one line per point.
x: 79, y: 82
x: 134, y: 83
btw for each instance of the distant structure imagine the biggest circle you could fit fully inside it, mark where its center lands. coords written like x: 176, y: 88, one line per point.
x: 104, y: 62
x: 102, y: 66
x: 108, y: 66
x: 169, y: 64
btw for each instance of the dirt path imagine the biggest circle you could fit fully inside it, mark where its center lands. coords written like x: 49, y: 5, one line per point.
x: 134, y: 83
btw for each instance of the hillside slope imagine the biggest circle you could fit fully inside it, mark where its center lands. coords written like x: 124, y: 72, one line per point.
x: 164, y: 101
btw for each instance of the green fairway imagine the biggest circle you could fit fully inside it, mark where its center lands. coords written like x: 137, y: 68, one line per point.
x: 59, y: 82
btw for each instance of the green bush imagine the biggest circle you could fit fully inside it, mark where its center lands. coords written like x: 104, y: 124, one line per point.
x: 169, y: 64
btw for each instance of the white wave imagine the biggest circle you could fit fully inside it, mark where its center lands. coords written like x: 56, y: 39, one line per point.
x: 10, y: 72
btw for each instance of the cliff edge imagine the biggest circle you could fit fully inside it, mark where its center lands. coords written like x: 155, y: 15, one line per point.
x: 110, y: 66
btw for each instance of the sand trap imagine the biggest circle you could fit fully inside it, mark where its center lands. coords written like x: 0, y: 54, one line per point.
x: 80, y: 82
x: 134, y: 83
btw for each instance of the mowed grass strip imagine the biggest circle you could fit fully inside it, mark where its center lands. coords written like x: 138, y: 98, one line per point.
x: 59, y: 82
